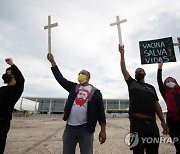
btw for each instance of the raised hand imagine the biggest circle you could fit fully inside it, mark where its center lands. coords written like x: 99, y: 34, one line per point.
x: 160, y: 65
x: 50, y: 57
x: 121, y: 49
x: 9, y: 61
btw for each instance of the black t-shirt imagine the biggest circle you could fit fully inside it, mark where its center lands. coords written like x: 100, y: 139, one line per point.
x: 142, y: 98
x: 9, y: 95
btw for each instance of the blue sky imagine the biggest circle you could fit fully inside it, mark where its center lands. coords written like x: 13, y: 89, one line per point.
x: 84, y: 40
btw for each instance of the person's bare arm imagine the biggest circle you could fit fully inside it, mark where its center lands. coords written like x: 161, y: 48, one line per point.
x: 122, y: 63
x: 102, y: 134
x: 160, y: 65
x: 161, y: 117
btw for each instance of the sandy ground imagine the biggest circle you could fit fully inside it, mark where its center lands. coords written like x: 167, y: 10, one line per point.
x: 43, y: 135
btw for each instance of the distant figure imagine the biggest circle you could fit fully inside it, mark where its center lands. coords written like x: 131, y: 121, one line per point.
x: 170, y: 91
x: 143, y: 108
x: 9, y: 95
x: 84, y: 107
x: 114, y: 115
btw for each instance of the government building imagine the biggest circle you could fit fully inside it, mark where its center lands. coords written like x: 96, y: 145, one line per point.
x: 44, y: 105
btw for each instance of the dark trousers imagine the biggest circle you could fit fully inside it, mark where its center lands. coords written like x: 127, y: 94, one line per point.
x: 4, y: 129
x: 174, y: 132
x: 144, y: 136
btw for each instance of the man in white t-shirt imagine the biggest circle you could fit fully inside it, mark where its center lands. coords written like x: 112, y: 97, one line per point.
x: 78, y: 114
x: 84, y: 107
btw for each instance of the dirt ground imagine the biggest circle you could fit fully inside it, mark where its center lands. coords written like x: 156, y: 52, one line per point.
x: 43, y: 135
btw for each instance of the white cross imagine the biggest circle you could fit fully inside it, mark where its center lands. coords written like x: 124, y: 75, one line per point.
x: 176, y: 44
x: 119, y: 28
x: 49, y: 26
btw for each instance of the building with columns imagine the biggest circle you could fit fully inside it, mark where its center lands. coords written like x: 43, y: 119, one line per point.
x: 43, y: 105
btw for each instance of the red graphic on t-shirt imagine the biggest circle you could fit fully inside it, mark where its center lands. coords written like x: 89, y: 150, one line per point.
x: 82, y: 97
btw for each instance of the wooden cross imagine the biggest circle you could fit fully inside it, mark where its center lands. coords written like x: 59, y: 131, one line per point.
x: 119, y: 28
x: 49, y: 26
x: 177, y: 44
x: 178, y: 39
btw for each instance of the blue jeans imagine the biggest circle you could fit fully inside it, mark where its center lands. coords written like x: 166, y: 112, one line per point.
x: 77, y: 134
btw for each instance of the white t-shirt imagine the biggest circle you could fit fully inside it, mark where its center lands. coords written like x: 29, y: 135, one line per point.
x: 78, y: 114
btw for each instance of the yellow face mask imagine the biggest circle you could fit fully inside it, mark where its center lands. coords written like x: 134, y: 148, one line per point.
x: 82, y: 78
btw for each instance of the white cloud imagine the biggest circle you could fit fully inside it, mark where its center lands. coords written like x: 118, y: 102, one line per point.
x: 84, y: 40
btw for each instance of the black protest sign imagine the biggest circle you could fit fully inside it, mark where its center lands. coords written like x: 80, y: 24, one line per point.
x: 155, y: 51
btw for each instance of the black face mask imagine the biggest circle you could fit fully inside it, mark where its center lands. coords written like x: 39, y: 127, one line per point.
x: 7, y: 78
x: 139, y: 76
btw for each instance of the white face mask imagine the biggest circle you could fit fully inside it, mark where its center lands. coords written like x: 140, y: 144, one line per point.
x: 170, y: 84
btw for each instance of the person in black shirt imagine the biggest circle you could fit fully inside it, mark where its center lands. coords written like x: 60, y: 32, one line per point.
x: 143, y: 108
x: 9, y: 95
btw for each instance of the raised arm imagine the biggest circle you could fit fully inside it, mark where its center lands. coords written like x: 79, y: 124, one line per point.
x: 159, y: 80
x: 16, y: 72
x: 67, y: 85
x: 51, y: 59
x: 122, y: 63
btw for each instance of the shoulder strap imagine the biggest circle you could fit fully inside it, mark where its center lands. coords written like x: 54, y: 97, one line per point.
x: 77, y: 88
x: 92, y: 92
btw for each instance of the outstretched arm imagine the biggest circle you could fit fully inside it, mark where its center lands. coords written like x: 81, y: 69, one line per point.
x: 67, y: 85
x: 122, y: 63
x: 159, y: 80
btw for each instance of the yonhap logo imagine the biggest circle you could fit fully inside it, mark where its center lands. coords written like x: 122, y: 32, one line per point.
x: 132, y: 139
